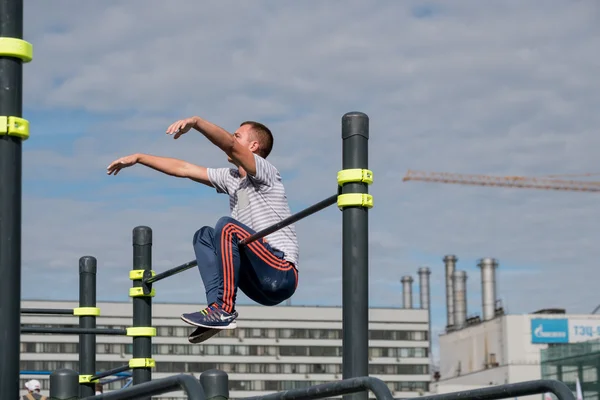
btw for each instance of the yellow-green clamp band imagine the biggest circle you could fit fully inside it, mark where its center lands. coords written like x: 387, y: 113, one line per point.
x: 138, y: 274
x: 141, y: 331
x: 86, y: 379
x: 355, y: 175
x: 139, y: 292
x: 18, y: 48
x: 142, y: 363
x: 86, y: 311
x: 14, y: 126
x: 355, y: 200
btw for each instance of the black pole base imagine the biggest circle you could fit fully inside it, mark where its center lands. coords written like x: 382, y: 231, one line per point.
x: 64, y: 384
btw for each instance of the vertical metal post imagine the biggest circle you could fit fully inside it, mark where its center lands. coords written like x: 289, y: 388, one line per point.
x: 13, y: 130
x: 215, y: 384
x: 355, y: 255
x: 142, y: 304
x: 64, y: 385
x: 87, y: 341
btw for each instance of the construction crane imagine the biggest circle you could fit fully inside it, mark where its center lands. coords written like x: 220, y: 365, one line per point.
x: 546, y: 183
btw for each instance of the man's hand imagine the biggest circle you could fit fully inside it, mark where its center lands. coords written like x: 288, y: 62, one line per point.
x: 180, y: 127
x: 121, y: 163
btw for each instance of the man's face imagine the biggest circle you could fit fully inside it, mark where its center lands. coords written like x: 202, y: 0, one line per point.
x: 244, y: 136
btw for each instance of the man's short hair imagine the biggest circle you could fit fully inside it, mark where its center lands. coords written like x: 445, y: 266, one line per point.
x: 263, y: 136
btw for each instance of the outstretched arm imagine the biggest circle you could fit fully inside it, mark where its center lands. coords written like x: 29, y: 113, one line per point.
x: 169, y: 166
x: 241, y: 155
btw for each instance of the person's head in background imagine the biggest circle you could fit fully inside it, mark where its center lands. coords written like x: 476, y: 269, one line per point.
x: 33, y: 386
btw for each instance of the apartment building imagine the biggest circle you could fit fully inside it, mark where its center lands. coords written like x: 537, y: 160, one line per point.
x: 273, y: 348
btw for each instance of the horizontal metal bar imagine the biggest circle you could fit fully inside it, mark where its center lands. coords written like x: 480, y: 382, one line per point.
x: 104, y: 374
x: 117, y: 378
x: 121, y: 375
x: 511, y: 390
x: 258, y: 235
x: 35, y: 372
x: 345, y: 386
x: 74, y: 331
x: 290, y: 220
x: 49, y: 311
x: 191, y: 386
x: 172, y: 271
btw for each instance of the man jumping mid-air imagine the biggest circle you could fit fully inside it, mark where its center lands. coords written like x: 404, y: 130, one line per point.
x: 265, y: 270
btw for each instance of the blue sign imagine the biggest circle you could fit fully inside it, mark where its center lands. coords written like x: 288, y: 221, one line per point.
x: 550, y: 330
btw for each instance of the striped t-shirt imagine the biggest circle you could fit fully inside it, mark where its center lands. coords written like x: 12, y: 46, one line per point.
x: 259, y: 201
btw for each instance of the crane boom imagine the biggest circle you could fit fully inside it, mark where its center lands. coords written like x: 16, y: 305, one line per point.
x: 503, y: 181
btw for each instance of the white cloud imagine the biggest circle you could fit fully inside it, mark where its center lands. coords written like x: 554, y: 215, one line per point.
x: 497, y: 87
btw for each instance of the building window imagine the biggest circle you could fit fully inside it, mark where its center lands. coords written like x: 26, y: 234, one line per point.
x: 226, y: 349
x: 322, y: 351
x: 289, y: 351
x: 273, y: 333
x: 251, y: 368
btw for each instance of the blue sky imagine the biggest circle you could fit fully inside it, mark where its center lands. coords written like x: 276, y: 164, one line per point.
x: 497, y: 87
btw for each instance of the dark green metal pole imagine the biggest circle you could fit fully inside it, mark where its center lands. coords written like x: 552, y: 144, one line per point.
x: 64, y: 385
x: 216, y: 384
x: 13, y: 130
x: 142, y: 304
x: 355, y: 254
x: 87, y: 341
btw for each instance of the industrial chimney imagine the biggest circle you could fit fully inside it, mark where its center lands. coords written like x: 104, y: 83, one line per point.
x: 450, y: 262
x: 407, y: 281
x: 460, y: 298
x: 424, y: 273
x: 488, y: 287
x: 425, y: 300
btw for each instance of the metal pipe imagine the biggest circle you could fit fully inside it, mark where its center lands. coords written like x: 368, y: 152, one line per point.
x: 258, y: 235
x: 290, y: 220
x: 142, y: 304
x: 26, y: 372
x: 450, y: 263
x: 508, y: 391
x: 118, y: 377
x: 64, y: 385
x: 488, y: 287
x: 216, y: 384
x: 171, y: 272
x: 460, y: 298
x: 407, y: 298
x: 47, y: 311
x: 87, y: 341
x: 73, y: 331
x: 191, y: 386
x: 110, y: 372
x: 355, y: 254
x: 331, y: 389
x: 11, y: 167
